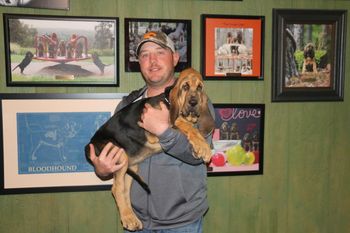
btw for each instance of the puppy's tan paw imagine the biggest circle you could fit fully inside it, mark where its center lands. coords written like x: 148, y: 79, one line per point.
x: 131, y: 222
x: 201, y: 150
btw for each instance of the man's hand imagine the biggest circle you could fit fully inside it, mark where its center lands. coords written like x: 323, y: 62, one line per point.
x: 155, y: 120
x: 109, y: 161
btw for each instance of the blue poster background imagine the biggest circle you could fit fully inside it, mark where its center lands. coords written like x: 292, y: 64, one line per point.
x: 54, y: 142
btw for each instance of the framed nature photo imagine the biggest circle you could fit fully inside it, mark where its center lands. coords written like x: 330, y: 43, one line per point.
x: 61, y: 51
x: 308, y: 55
x: 238, y: 139
x: 43, y: 138
x: 177, y: 29
x: 232, y: 47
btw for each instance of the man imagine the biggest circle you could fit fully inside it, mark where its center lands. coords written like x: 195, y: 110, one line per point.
x: 177, y: 180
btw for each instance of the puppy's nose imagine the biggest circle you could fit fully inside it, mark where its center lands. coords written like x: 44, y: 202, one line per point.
x: 193, y: 101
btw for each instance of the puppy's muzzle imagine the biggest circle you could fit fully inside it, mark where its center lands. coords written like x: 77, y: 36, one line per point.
x: 192, y: 107
x: 193, y: 101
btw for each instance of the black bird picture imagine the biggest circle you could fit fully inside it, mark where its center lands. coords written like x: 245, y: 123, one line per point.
x: 25, y: 62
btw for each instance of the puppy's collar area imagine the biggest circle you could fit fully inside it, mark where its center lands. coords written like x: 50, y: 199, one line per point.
x: 167, y: 101
x: 167, y: 94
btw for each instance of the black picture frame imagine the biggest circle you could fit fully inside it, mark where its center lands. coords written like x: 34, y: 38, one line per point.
x: 42, y: 50
x: 179, y: 30
x: 232, y: 47
x: 308, y: 55
x: 43, y: 138
x: 238, y: 140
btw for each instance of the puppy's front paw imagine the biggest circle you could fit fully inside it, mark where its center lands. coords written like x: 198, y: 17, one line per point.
x: 202, y: 150
x: 131, y: 222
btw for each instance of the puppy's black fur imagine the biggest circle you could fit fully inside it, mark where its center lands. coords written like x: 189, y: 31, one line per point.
x: 25, y: 62
x: 122, y: 130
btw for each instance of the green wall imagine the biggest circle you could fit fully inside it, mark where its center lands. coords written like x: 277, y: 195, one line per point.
x: 304, y: 188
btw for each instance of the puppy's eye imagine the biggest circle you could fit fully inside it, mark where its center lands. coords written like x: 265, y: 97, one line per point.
x: 186, y: 87
x: 199, y: 88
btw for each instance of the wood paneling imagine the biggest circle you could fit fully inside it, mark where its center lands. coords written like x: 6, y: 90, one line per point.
x: 305, y: 185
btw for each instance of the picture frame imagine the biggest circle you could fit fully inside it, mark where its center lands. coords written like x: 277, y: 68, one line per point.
x: 61, y: 50
x: 238, y: 140
x: 232, y: 47
x: 43, y: 138
x: 179, y: 30
x: 308, y: 55
x: 44, y: 4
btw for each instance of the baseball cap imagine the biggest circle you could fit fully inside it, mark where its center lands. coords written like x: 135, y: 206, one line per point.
x: 157, y: 37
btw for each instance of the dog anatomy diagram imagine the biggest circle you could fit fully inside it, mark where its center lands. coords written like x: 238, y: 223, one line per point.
x: 54, y: 142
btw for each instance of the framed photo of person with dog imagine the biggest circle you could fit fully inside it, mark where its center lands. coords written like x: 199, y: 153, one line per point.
x: 179, y: 30
x: 232, y: 47
x: 238, y: 140
x: 308, y: 55
x: 61, y: 50
x: 43, y: 138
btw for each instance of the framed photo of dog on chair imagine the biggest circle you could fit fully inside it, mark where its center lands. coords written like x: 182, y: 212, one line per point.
x: 232, y: 47
x: 308, y: 55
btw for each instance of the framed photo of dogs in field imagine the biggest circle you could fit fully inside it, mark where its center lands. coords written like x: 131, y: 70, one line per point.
x: 238, y: 140
x: 308, y: 55
x: 61, y: 50
x: 43, y: 138
x: 179, y: 30
x: 232, y: 47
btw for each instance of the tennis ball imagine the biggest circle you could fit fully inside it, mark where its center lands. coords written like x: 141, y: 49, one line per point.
x: 235, y: 155
x: 249, y: 158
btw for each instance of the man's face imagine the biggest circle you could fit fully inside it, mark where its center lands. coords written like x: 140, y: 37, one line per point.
x: 157, y: 64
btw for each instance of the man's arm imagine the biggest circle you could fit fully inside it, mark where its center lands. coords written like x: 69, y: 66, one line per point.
x: 176, y: 144
x: 172, y: 141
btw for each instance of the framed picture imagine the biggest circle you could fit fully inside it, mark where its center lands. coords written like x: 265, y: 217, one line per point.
x: 43, y: 138
x: 308, y: 55
x: 57, y: 4
x: 61, y: 51
x: 232, y: 47
x: 178, y: 30
x: 238, y: 139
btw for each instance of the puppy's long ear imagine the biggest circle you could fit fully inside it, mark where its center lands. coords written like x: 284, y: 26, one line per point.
x: 174, y: 105
x: 206, y: 122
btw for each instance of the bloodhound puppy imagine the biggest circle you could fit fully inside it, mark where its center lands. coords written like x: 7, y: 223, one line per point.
x: 188, y: 106
x: 224, y: 131
x: 309, y: 64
